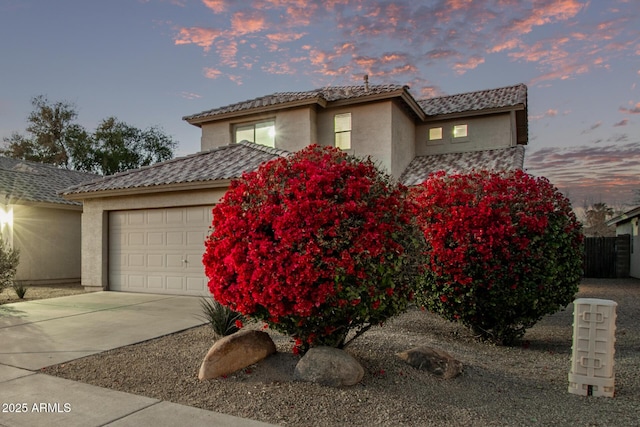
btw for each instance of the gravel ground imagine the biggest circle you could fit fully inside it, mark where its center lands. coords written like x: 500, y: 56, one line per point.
x: 41, y: 292
x: 500, y: 386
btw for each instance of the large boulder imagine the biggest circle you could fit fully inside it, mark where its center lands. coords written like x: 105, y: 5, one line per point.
x: 235, y: 352
x: 437, y: 362
x: 329, y: 366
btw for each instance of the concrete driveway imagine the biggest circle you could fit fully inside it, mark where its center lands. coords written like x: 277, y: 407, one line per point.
x: 41, y: 333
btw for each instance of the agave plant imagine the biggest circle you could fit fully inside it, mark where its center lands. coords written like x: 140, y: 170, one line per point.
x: 223, y: 320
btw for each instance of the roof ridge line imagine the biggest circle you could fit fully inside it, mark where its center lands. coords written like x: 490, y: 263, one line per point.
x: 473, y: 92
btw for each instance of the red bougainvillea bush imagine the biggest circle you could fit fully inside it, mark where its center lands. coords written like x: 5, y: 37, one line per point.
x: 503, y: 250
x: 316, y: 244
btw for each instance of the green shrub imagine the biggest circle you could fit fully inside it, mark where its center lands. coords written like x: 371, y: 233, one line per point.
x: 504, y: 250
x: 20, y: 289
x: 222, y: 319
x: 9, y: 259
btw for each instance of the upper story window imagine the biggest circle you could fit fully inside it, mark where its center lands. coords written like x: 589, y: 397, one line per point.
x: 460, y: 131
x: 263, y: 133
x: 342, y: 129
x: 435, y: 134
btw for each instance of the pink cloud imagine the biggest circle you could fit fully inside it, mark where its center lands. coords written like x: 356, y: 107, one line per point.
x: 587, y: 171
x: 212, y: 73
x: 203, y: 37
x: 549, y: 113
x: 635, y: 109
x: 545, y: 12
x: 284, y: 37
x: 217, y: 6
x: 455, y: 34
x: 470, y: 64
x: 247, y: 22
x: 622, y: 122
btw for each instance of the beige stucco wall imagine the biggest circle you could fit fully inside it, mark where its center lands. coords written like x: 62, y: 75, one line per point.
x: 403, y: 144
x: 216, y: 134
x: 49, y: 241
x: 484, y: 133
x: 95, y: 223
x: 370, y: 130
x: 295, y: 129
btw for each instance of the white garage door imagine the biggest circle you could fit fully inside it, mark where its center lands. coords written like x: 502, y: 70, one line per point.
x: 158, y: 250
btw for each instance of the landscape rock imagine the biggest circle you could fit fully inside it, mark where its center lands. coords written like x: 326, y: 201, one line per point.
x: 329, y: 366
x: 234, y: 352
x: 437, y: 362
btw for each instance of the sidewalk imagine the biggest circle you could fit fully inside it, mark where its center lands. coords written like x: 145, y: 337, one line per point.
x: 41, y: 333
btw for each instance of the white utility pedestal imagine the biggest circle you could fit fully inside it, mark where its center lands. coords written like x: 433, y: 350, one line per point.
x: 594, y: 328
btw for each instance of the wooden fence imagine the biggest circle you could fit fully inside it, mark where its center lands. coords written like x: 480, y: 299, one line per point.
x: 607, y: 257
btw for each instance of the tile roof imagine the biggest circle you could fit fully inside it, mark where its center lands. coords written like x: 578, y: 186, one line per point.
x: 472, y: 101
x: 24, y: 181
x: 221, y: 163
x: 476, y: 101
x: 329, y: 94
x: 497, y: 159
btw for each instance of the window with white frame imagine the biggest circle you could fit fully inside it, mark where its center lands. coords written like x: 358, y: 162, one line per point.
x: 263, y: 133
x: 342, y: 129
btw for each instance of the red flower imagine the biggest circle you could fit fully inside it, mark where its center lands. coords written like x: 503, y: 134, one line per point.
x: 493, y: 238
x: 297, y: 244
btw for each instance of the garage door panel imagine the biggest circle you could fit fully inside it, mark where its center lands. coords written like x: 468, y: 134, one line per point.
x: 148, y: 250
x: 175, y: 238
x: 155, y: 282
x: 135, y: 239
x: 155, y: 238
x: 155, y: 260
x: 135, y: 218
x: 135, y: 281
x: 196, y: 284
x: 175, y: 216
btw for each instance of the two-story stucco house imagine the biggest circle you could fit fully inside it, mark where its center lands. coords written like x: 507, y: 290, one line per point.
x: 143, y: 230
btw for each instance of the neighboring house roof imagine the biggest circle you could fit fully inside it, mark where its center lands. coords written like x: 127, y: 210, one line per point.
x: 221, y: 164
x: 322, y: 97
x: 476, y: 101
x: 498, y: 159
x: 23, y: 181
x: 625, y: 217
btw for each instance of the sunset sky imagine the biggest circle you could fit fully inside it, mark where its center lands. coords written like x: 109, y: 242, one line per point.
x: 151, y: 62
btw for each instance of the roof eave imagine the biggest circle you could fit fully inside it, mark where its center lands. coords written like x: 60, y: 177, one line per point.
x: 400, y: 93
x: 627, y: 216
x: 197, y: 121
x: 471, y: 113
x: 137, y: 191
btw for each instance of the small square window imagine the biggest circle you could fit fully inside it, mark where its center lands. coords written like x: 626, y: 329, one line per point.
x: 435, y: 134
x: 460, y: 131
